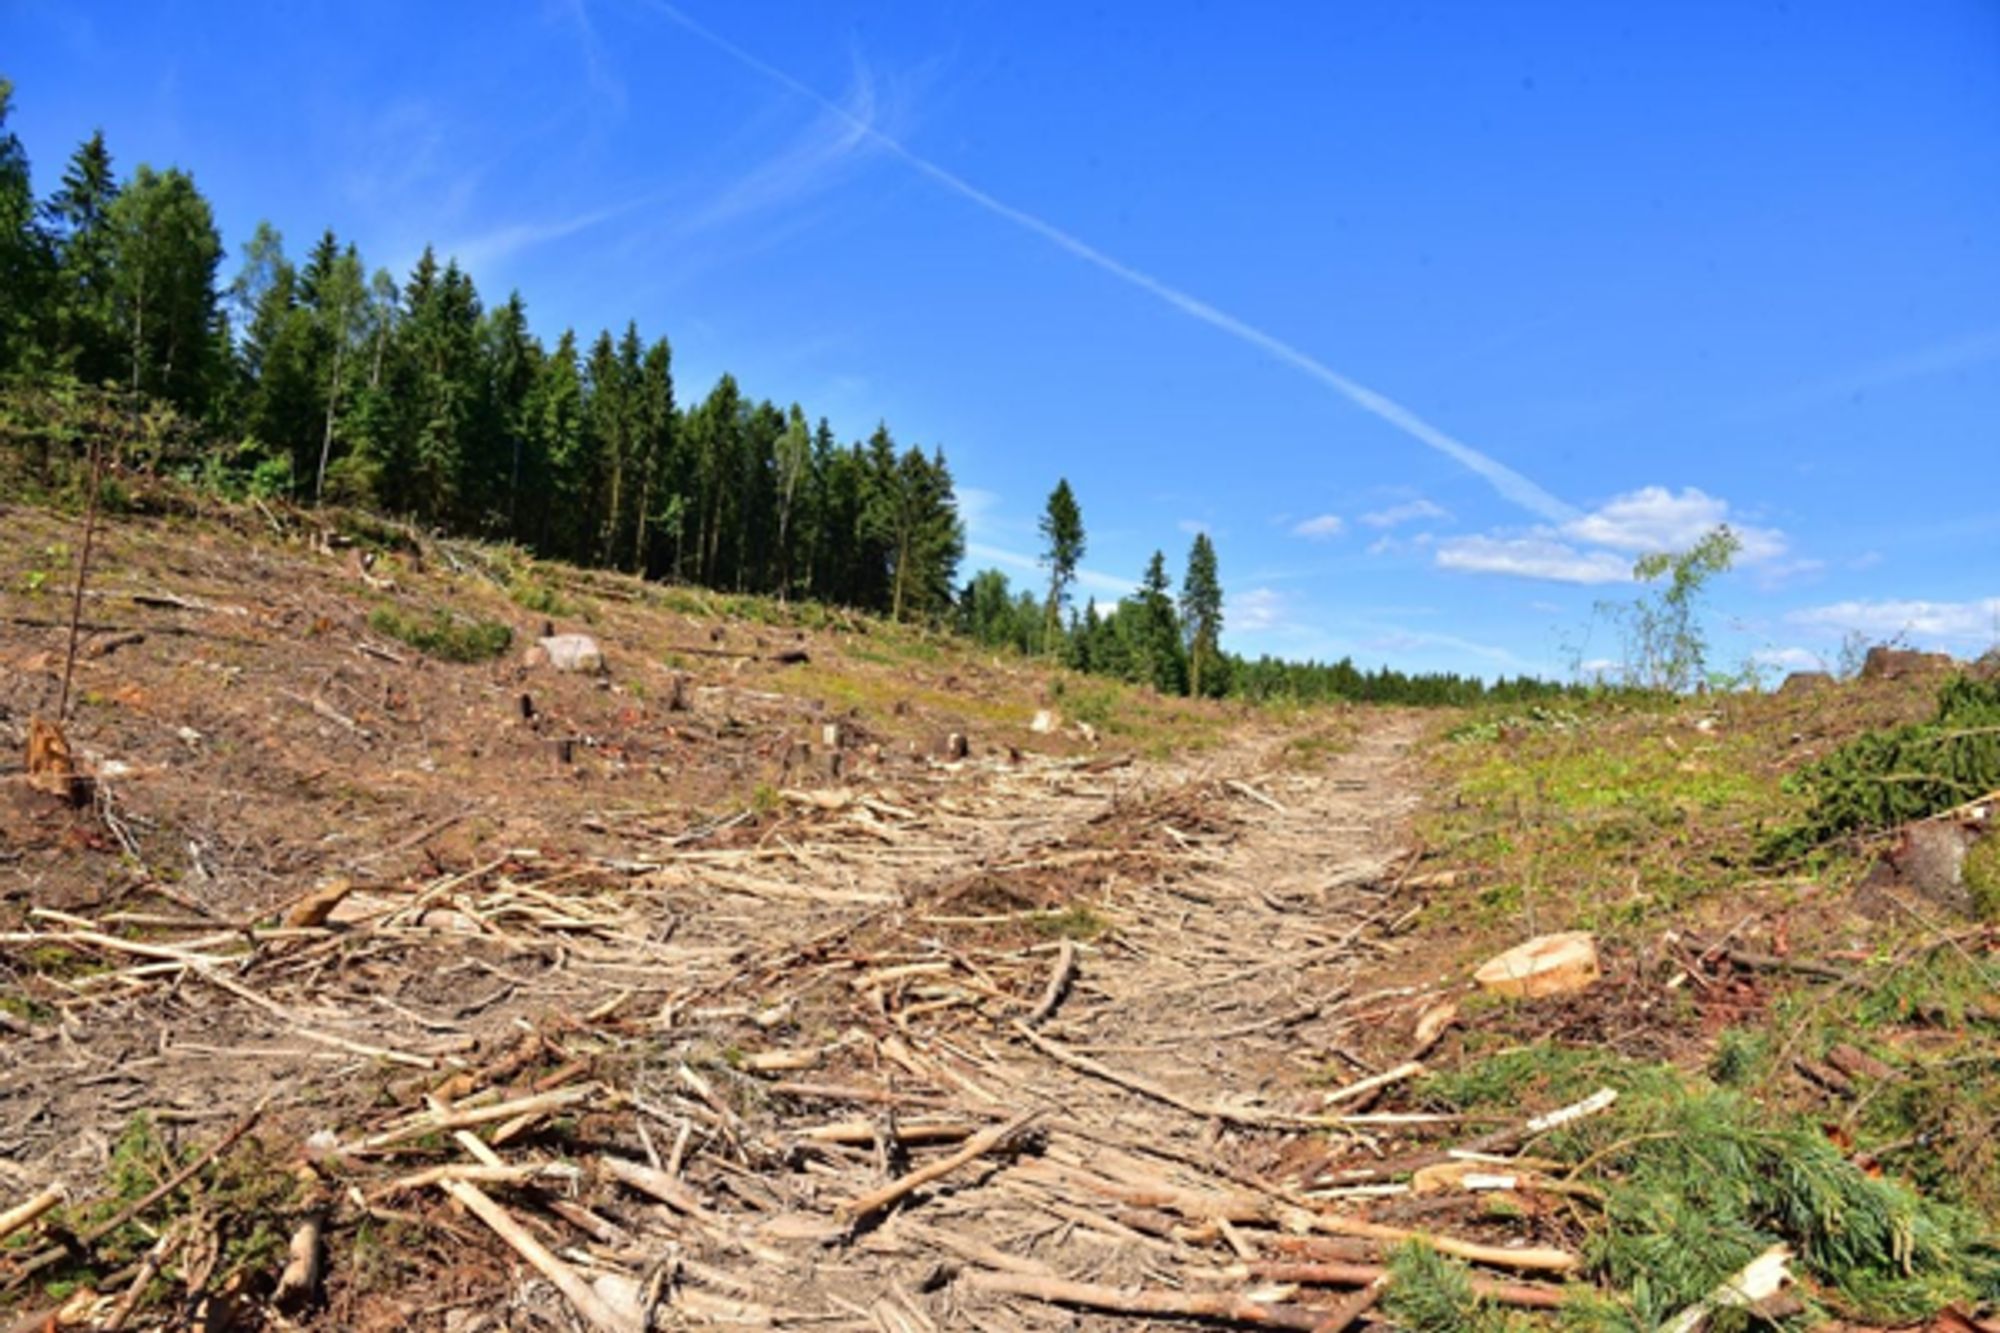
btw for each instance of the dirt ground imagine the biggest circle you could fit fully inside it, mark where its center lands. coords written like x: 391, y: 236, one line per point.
x: 632, y: 1007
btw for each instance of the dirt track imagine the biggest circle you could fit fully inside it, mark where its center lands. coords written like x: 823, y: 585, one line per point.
x: 787, y: 1011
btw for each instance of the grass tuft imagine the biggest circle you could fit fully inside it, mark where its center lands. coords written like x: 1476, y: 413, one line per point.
x: 449, y: 638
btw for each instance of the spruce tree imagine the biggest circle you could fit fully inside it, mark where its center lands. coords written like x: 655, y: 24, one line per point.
x: 1201, y: 614
x: 78, y: 218
x: 23, y: 252
x: 1063, y: 546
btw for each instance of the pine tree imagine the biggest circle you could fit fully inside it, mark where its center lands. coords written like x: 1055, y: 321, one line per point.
x: 658, y: 502
x: 510, y: 357
x: 78, y: 217
x: 1062, y: 535
x: 1201, y: 615
x: 926, y: 539
x: 1159, y: 657
x: 23, y: 248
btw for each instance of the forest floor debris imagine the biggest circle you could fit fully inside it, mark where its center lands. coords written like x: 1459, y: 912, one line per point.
x: 480, y: 997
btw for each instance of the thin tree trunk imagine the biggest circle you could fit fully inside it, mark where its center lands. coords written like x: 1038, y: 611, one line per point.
x: 332, y: 411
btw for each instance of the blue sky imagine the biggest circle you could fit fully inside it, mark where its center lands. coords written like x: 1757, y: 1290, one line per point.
x: 1434, y: 315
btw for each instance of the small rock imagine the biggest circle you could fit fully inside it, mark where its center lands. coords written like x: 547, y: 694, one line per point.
x: 1044, y: 723
x: 572, y: 652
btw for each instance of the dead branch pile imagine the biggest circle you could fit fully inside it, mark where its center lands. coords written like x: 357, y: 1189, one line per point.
x: 876, y: 1068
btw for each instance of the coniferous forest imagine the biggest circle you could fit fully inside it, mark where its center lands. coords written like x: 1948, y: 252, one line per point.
x: 309, y: 377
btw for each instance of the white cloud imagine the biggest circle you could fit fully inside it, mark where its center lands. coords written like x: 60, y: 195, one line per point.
x: 1404, y: 513
x: 842, y: 135
x: 1970, y: 622
x: 1653, y: 518
x: 1192, y: 526
x: 1538, y: 555
x: 1258, y: 609
x: 1320, y: 528
x: 976, y: 506
x: 478, y: 252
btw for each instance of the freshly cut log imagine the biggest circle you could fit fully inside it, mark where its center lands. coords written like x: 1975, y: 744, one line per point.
x: 1546, y: 965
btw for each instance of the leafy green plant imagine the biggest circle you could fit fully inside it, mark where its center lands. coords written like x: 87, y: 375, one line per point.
x: 1666, y: 648
x: 453, y: 639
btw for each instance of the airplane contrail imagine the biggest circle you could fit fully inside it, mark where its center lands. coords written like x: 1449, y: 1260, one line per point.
x: 1509, y: 483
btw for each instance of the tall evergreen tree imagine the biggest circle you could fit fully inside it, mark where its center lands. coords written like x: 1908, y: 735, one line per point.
x: 1158, y: 656
x: 1201, y: 614
x: 23, y: 252
x: 661, y: 504
x: 919, y: 517
x: 78, y: 217
x: 1062, y: 549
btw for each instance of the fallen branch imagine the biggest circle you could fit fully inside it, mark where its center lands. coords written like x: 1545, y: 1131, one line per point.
x: 24, y: 1214
x: 579, y: 1293
x: 1059, y: 983
x: 1517, y: 1294
x: 979, y: 1145
x: 1154, y: 1302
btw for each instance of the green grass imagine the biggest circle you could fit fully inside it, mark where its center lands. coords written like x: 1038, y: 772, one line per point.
x: 444, y: 636
x: 1075, y: 922
x: 1612, y: 820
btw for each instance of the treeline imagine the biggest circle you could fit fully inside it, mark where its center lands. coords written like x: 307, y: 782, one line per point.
x: 317, y: 380
x: 322, y: 382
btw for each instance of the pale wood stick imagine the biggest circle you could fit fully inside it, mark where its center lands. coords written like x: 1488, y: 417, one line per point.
x: 1350, y: 1309
x: 1337, y: 1274
x: 1539, y: 1259
x: 1141, y: 1301
x: 1235, y: 1115
x: 980, y: 1144
x: 468, y: 1117
x: 24, y: 1214
x: 661, y: 1186
x: 1059, y: 983
x: 579, y: 1293
x: 978, y: 1251
x: 1246, y: 789
x: 1375, y: 1082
